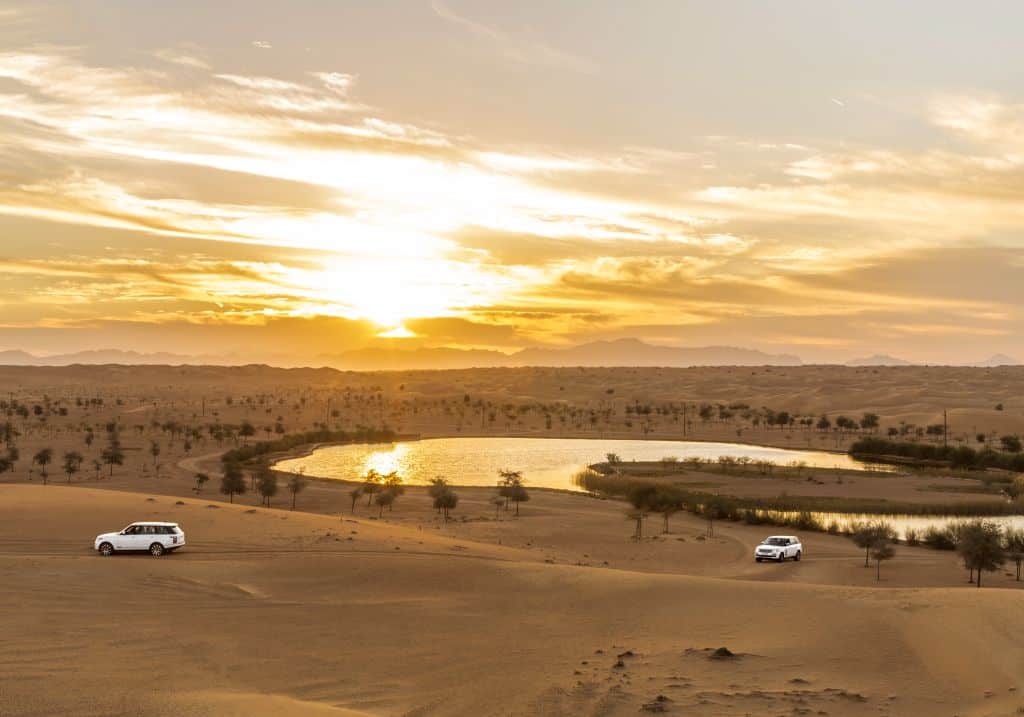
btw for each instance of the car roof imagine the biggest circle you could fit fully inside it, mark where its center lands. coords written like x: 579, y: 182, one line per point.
x: 154, y: 522
x: 780, y: 536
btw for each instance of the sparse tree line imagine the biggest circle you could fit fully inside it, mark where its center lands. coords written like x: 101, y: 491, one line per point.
x: 1011, y: 459
x: 984, y: 546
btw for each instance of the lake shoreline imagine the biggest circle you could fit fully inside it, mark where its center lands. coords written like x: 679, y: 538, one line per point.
x: 567, y: 459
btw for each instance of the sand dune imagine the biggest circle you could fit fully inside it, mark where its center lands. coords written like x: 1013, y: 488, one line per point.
x: 277, y: 612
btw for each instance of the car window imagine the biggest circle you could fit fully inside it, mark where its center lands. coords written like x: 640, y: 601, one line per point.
x: 130, y: 530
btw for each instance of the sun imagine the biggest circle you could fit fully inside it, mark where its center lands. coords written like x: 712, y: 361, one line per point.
x: 398, y: 332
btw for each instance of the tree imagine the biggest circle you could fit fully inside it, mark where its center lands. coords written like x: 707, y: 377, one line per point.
x: 113, y: 455
x: 446, y: 501
x: 355, y: 494
x: 641, y: 497
x: 72, y: 463
x: 497, y: 501
x: 869, y: 421
x: 666, y: 504
x: 438, y: 486
x: 371, y: 484
x: 1011, y: 444
x: 613, y: 459
x: 246, y: 431
x: 868, y: 535
x: 42, y: 458
x: 981, y: 546
x: 266, y: 484
x: 881, y: 550
x: 715, y: 508
x: 201, y: 480
x: 393, y: 485
x: 296, y: 484
x: 97, y: 466
x: 154, y: 450
x: 233, y: 481
x: 510, y: 487
x: 1013, y: 541
x: 384, y: 498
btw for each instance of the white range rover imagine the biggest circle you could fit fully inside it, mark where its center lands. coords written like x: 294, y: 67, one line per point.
x: 779, y: 547
x: 154, y: 538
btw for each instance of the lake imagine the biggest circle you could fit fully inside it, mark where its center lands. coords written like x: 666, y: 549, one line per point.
x: 544, y: 462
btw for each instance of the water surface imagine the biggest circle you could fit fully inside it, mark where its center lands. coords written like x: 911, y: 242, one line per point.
x: 545, y: 462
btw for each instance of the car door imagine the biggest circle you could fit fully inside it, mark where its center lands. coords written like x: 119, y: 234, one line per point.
x: 144, y: 537
x: 124, y: 539
x: 791, y: 548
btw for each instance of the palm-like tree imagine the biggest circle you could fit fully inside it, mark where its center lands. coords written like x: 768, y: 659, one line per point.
x: 42, y: 458
x: 384, y: 498
x: 446, y: 502
x: 371, y: 484
x: 72, y: 463
x: 393, y: 485
x: 355, y: 494
x: 296, y: 484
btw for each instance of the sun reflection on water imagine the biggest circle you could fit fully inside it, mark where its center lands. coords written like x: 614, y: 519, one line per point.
x: 390, y: 460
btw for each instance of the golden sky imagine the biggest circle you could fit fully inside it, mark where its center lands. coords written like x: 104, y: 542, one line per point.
x: 826, y: 179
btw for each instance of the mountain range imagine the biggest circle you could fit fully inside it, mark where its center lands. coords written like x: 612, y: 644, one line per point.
x: 620, y: 352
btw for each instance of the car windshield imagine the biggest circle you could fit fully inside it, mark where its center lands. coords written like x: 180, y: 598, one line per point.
x: 777, y: 541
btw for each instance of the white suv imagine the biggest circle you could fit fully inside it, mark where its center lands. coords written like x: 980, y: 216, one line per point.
x: 779, y: 547
x: 155, y: 538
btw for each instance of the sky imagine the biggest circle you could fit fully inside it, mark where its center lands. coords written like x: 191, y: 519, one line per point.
x: 829, y: 179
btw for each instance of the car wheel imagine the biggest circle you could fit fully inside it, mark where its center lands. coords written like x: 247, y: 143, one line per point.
x: 757, y: 559
x: 782, y: 557
x: 797, y: 558
x: 106, y: 549
x: 156, y: 550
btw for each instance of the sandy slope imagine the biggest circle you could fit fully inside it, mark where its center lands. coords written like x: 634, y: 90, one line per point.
x: 277, y: 613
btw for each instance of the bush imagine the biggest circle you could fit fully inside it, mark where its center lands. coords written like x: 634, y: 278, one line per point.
x: 911, y: 537
x: 943, y: 538
x: 958, y: 457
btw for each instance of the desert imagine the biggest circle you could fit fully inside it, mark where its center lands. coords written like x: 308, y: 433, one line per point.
x: 340, y: 607
x: 480, y: 358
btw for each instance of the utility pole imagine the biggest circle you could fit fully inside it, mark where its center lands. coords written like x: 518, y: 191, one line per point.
x: 684, y: 418
x: 945, y: 429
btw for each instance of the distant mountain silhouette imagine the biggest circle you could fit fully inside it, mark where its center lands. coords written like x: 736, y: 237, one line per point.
x: 386, y: 358
x: 998, y: 360
x: 107, y: 356
x: 391, y: 356
x: 633, y: 352
x: 623, y: 352
x: 879, y: 360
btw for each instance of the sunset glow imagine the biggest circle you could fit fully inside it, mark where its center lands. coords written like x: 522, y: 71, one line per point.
x: 264, y: 182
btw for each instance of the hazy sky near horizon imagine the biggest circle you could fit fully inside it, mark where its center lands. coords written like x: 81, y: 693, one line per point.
x: 830, y: 179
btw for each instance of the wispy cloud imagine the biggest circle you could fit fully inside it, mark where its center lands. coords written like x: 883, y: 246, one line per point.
x: 515, y: 47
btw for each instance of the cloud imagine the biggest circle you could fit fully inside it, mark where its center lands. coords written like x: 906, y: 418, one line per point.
x: 185, y: 55
x: 514, y: 48
x: 481, y: 243
x: 261, y: 44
